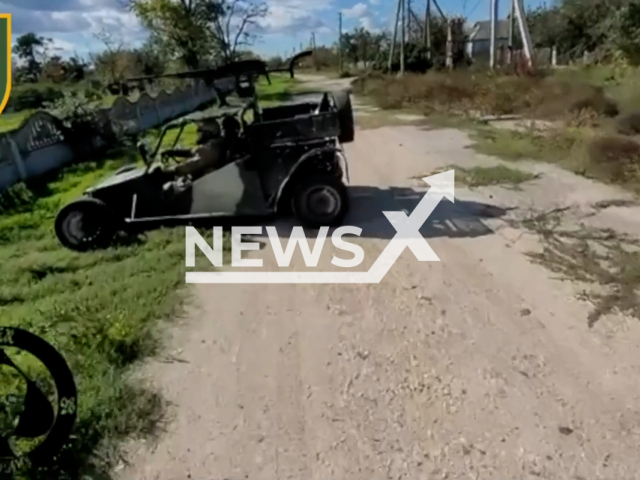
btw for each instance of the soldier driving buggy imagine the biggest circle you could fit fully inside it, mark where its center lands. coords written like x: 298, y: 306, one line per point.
x: 287, y: 158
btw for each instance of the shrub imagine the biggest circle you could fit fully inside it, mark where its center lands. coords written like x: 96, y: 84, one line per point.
x: 16, y: 198
x: 85, y: 122
x: 488, y: 93
x: 615, y: 158
x: 597, y: 101
x: 628, y: 124
x: 32, y: 98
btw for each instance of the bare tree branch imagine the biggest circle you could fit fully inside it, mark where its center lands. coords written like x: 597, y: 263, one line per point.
x: 249, y: 14
x: 230, y: 17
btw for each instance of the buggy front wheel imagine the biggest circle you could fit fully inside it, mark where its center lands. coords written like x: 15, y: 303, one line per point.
x: 320, y: 201
x: 85, y: 224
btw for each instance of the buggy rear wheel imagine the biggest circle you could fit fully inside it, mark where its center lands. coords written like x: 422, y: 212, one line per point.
x: 342, y: 100
x: 85, y: 224
x: 320, y: 201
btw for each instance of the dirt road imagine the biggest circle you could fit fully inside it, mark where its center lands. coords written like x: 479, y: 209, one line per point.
x: 479, y: 366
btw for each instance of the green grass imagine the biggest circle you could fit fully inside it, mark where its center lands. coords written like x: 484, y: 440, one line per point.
x: 282, y: 88
x: 99, y: 309
x: 592, y: 152
x: 498, y: 175
x: 487, y: 176
x: 620, y: 82
x: 11, y: 121
x: 517, y: 145
x: 564, y: 146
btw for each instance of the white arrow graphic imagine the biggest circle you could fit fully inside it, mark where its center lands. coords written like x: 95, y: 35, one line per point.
x: 407, y: 236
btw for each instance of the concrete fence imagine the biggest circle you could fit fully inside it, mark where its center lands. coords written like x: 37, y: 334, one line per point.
x: 43, y: 144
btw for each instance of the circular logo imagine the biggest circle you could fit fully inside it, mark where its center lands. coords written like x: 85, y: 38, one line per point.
x: 44, y: 416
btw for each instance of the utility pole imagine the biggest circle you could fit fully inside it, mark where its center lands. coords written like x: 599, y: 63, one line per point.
x: 492, y: 52
x: 427, y: 29
x: 313, y: 40
x: 408, y: 15
x: 402, y: 39
x: 449, y: 46
x: 524, y: 32
x: 392, y: 50
x: 340, y: 41
x: 444, y: 17
x: 512, y: 24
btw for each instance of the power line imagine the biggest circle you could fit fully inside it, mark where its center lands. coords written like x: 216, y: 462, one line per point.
x: 473, y: 9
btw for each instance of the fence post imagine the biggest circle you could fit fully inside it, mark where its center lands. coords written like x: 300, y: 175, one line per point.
x: 17, y: 158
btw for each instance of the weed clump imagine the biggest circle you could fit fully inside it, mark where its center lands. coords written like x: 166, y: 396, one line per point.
x: 488, y: 176
x: 594, y: 99
x: 628, y: 124
x: 487, y: 93
x: 615, y: 158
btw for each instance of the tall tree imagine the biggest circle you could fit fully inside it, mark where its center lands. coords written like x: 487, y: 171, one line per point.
x: 609, y: 27
x: 182, y: 26
x: 110, y: 62
x: 234, y: 27
x: 201, y: 30
x: 31, y: 48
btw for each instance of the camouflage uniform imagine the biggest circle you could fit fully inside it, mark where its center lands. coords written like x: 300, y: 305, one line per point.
x: 208, y: 155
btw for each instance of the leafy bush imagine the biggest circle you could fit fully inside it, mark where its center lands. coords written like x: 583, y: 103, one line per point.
x: 16, y: 198
x: 597, y: 101
x: 32, y: 98
x: 416, y: 59
x: 85, y: 121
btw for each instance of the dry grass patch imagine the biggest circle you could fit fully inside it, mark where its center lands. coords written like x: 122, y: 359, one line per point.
x: 486, y: 176
x: 486, y: 93
x: 607, y: 260
x: 561, y: 145
x: 615, y: 159
x: 628, y: 124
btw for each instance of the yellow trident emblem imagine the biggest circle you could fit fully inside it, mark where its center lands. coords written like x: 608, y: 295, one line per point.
x: 5, y: 59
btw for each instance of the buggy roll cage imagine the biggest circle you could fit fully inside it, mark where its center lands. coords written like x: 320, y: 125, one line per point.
x: 181, y: 123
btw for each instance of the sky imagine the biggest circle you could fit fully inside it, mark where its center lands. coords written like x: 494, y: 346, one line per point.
x: 73, y: 24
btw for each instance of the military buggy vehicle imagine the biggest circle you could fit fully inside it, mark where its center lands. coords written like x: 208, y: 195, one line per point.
x: 284, y: 159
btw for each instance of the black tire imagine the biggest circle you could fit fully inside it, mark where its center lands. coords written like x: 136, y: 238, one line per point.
x: 97, y: 225
x: 342, y: 100
x: 311, y: 196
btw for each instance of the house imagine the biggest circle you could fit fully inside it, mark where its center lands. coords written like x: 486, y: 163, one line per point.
x: 479, y: 38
